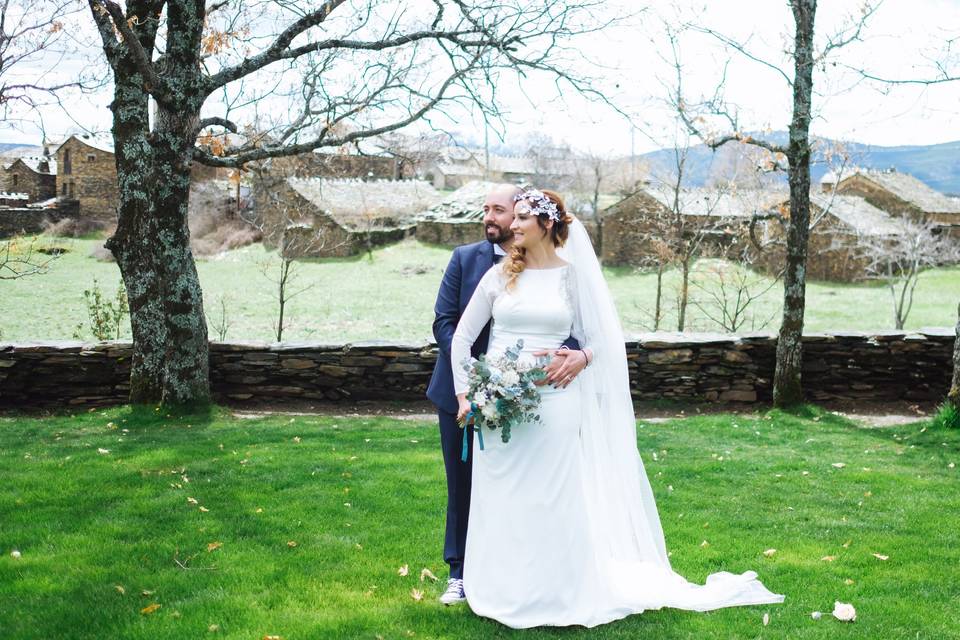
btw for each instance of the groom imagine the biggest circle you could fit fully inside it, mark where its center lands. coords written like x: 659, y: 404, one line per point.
x: 467, y: 265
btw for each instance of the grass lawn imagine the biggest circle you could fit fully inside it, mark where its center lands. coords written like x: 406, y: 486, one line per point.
x: 296, y: 527
x: 392, y: 297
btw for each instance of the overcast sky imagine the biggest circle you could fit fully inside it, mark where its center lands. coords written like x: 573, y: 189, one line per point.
x: 900, y: 41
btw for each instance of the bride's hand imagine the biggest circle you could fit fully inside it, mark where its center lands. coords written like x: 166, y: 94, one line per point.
x: 564, y: 367
x: 463, y: 409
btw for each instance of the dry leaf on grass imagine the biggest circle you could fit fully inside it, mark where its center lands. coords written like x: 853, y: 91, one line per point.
x: 292, y: 543
x: 426, y: 573
x: 404, y: 570
x: 828, y: 558
x: 149, y: 609
x: 416, y: 594
x: 15, y: 554
x: 120, y: 589
x: 192, y: 501
x: 881, y: 556
x: 204, y: 509
x: 766, y: 619
x: 213, y: 546
x: 769, y: 552
x: 103, y: 451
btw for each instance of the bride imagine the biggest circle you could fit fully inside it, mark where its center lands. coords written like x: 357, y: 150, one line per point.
x: 563, y: 528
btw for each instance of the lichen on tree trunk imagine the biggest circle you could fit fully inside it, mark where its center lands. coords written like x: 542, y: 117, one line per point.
x: 787, y: 386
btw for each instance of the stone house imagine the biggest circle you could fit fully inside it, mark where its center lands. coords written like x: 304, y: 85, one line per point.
x: 458, y: 167
x: 457, y: 219
x: 629, y: 230
x: 35, y: 176
x: 900, y: 194
x: 87, y: 175
x: 336, y: 218
x: 834, y: 250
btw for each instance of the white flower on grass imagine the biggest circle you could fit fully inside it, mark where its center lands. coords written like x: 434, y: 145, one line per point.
x: 844, y: 612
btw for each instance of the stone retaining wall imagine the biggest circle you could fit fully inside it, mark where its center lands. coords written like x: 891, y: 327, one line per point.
x: 17, y: 221
x: 691, y: 367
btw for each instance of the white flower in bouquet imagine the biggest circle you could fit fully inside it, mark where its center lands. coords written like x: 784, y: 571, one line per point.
x: 480, y: 399
x: 489, y: 411
x: 510, y: 379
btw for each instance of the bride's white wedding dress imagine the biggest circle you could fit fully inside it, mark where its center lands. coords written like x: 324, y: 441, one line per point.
x: 563, y: 526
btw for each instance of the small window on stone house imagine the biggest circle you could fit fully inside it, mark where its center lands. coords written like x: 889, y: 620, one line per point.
x: 91, y: 157
x: 16, y: 179
x: 67, y: 165
x: 63, y: 189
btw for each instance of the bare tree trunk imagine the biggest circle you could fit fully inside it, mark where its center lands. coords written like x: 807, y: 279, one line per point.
x: 684, y: 293
x: 658, y: 313
x: 787, y: 389
x: 953, y: 397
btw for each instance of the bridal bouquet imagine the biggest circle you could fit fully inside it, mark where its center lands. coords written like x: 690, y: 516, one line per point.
x: 503, y: 392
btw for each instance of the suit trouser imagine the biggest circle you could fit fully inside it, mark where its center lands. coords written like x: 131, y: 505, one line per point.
x: 458, y: 490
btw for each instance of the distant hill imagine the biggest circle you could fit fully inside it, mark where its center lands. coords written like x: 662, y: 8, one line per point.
x: 938, y: 165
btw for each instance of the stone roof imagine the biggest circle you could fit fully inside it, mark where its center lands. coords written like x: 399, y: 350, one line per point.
x: 100, y: 141
x: 911, y: 190
x: 466, y: 203
x: 33, y: 163
x: 353, y: 202
x: 858, y: 214
x: 736, y: 203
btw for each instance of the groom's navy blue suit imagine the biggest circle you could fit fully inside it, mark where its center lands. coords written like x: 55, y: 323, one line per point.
x: 467, y: 266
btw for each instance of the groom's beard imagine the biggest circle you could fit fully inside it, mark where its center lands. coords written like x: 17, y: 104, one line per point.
x: 497, y: 234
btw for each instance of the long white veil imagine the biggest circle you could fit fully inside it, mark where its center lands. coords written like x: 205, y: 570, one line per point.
x: 623, y: 509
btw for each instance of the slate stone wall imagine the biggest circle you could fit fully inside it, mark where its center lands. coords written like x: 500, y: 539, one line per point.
x: 689, y: 367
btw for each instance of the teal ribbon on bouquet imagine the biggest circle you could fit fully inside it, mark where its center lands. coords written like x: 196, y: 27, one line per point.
x: 466, y: 432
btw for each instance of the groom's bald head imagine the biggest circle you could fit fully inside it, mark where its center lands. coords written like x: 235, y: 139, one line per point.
x: 498, y: 213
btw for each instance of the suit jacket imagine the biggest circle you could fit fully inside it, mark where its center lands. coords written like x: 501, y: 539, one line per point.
x: 467, y: 265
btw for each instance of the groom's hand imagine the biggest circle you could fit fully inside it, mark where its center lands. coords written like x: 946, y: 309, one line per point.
x: 565, y: 365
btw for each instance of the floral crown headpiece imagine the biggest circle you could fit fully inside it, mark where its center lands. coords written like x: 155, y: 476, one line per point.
x: 539, y: 203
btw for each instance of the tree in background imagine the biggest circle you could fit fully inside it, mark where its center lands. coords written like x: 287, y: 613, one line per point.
x: 787, y: 387
x: 321, y: 75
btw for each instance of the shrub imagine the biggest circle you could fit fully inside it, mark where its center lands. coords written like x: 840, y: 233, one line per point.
x: 948, y: 417
x: 106, y: 317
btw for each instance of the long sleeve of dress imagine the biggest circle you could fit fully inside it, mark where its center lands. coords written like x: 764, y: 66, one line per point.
x: 474, y: 318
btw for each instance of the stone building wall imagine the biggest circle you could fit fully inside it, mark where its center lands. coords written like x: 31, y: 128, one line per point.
x: 833, y: 252
x: 879, y: 197
x: 628, y: 232
x: 89, y: 176
x: 450, y: 233
x: 687, y: 367
x: 20, y: 178
x: 324, y: 236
